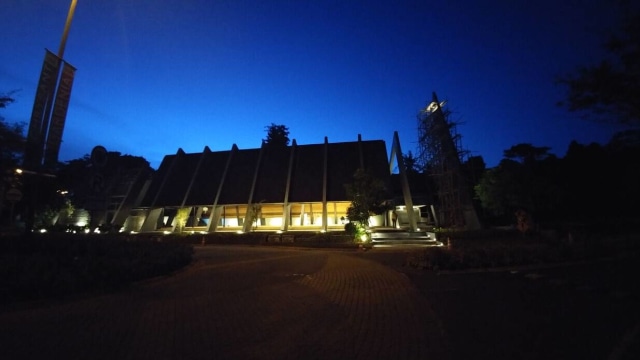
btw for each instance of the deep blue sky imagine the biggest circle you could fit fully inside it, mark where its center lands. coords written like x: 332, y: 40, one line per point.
x: 157, y: 75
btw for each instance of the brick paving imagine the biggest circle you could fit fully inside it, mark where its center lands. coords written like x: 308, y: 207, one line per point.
x: 580, y: 310
x: 239, y: 303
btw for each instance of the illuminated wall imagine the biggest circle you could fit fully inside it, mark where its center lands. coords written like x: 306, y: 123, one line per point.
x: 297, y: 187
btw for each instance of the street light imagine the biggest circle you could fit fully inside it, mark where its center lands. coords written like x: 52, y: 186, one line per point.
x: 67, y: 26
x: 47, y: 122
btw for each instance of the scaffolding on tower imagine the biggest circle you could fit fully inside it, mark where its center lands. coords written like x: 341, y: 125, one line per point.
x: 441, y: 155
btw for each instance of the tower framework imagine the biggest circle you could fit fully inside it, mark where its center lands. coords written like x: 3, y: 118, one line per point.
x: 440, y: 153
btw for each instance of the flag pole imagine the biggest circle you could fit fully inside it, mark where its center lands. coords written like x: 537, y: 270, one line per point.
x: 67, y: 25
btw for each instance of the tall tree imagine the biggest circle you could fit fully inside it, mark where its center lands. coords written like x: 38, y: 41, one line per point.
x: 527, y: 153
x: 473, y: 168
x: 11, y: 138
x: 277, y: 135
x: 525, y: 179
x: 367, y: 194
x: 12, y: 143
x: 611, y: 89
x: 501, y: 190
x: 410, y: 163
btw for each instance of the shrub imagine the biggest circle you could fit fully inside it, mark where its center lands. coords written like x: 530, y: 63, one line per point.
x: 51, y: 265
x: 494, y: 253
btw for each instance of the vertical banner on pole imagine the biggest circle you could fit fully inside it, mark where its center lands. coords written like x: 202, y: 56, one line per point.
x: 39, y: 116
x: 59, y: 114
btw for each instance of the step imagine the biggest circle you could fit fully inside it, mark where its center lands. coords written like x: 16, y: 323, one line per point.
x: 377, y: 236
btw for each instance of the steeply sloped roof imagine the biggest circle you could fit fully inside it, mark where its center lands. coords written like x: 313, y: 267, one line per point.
x: 171, y: 183
x: 237, y: 184
x: 207, y: 180
x: 158, y: 181
x: 344, y: 160
x: 178, y: 179
x: 307, y: 173
x: 271, y: 183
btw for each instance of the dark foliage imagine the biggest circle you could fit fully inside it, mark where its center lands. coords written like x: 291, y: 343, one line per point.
x: 277, y: 135
x: 53, y: 265
x: 610, y: 91
x: 367, y: 194
x: 12, y: 143
x: 591, y: 183
x: 492, y: 249
x: 7, y: 98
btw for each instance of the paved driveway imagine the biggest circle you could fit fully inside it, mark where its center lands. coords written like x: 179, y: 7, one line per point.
x: 239, y: 303
x: 580, y: 311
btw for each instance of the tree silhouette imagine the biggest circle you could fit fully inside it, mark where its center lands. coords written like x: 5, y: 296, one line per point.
x: 7, y: 98
x: 611, y: 89
x: 525, y: 179
x: 367, y: 194
x: 411, y: 163
x: 12, y: 139
x: 277, y: 135
x: 527, y: 153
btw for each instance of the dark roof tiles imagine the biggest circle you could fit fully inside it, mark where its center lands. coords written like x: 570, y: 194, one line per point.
x: 172, y: 183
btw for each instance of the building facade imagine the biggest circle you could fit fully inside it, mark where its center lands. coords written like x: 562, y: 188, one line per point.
x: 271, y: 188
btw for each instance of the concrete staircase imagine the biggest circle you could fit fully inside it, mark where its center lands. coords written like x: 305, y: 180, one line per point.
x: 389, y: 236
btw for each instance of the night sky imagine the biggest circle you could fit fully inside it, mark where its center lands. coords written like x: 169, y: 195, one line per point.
x: 154, y: 76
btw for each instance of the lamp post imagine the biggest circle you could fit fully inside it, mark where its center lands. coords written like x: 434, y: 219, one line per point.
x: 67, y: 26
x: 47, y: 119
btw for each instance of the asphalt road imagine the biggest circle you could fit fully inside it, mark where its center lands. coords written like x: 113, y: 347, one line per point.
x: 241, y: 302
